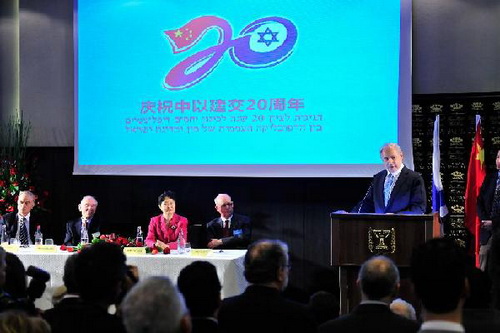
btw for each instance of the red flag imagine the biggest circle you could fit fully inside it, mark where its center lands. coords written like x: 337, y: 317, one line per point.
x: 475, y: 176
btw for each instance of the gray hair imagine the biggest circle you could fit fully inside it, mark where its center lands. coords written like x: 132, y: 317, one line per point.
x: 219, y: 197
x: 391, y: 145
x: 153, y: 305
x: 379, y: 277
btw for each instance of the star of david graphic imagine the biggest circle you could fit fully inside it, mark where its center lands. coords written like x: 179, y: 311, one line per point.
x: 268, y: 41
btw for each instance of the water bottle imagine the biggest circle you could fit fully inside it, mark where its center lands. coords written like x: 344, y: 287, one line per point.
x: 84, y: 239
x: 181, y: 243
x: 139, y: 239
x: 4, y: 238
x: 38, y: 236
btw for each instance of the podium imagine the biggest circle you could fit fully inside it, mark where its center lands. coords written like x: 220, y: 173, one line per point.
x: 357, y: 237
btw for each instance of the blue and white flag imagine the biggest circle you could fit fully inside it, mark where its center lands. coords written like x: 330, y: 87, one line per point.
x: 438, y: 202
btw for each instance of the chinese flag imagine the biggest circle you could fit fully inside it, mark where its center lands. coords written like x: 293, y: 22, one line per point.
x: 475, y: 176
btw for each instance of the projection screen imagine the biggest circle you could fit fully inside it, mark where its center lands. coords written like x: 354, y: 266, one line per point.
x: 248, y: 88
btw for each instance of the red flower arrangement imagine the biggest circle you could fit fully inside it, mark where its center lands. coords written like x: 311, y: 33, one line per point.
x: 15, y: 166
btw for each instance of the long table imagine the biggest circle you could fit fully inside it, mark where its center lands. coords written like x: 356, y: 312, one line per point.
x: 229, y: 264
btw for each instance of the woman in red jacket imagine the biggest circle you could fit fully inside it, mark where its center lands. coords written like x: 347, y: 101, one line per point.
x: 164, y: 229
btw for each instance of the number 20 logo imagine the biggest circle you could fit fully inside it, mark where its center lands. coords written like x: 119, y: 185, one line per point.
x: 263, y: 43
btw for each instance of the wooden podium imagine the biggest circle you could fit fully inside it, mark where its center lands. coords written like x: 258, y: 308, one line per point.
x: 357, y: 237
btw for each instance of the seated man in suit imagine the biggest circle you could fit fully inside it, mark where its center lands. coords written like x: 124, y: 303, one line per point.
x: 88, y: 208
x: 394, y: 190
x: 229, y: 231
x: 262, y: 307
x: 23, y: 223
x: 378, y: 280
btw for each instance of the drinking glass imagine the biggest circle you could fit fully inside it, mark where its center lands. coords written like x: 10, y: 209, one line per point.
x: 188, y: 247
x: 14, y: 241
x: 49, y: 241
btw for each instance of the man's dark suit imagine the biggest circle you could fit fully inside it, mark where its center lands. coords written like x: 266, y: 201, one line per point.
x: 370, y: 318
x: 76, y: 315
x: 263, y: 309
x: 240, y: 231
x: 74, y: 227
x: 11, y: 221
x: 485, y: 203
x: 407, y: 197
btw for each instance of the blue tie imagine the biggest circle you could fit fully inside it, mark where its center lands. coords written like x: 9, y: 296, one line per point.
x: 387, y: 188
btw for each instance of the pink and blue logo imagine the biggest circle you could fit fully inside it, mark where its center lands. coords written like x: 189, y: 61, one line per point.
x: 263, y: 43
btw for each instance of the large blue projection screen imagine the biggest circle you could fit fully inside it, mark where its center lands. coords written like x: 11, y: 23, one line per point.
x: 252, y: 88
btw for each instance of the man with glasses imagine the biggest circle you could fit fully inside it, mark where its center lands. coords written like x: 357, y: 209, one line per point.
x: 230, y: 230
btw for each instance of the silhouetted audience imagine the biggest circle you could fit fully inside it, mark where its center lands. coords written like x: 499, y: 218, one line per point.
x: 67, y: 296
x: 154, y: 305
x: 378, y: 280
x: 200, y: 285
x: 262, y: 306
x: 7, y: 301
x: 438, y: 272
x: 99, y: 271
x: 20, y: 322
x: 15, y: 280
x: 478, y: 314
x: 324, y: 306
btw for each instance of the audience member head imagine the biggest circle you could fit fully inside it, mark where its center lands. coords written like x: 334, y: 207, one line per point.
x: 100, y: 269
x: 392, y: 156
x: 324, y: 306
x: 403, y: 308
x: 88, y: 207
x: 378, y: 279
x: 154, y: 305
x: 69, y: 277
x: 19, y: 322
x: 3, y: 267
x: 25, y: 202
x: 438, y: 272
x: 479, y: 296
x: 224, y: 205
x: 266, y: 263
x: 200, y: 285
x: 15, y: 276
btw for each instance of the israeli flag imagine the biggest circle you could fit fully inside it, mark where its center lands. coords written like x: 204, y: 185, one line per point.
x: 438, y: 202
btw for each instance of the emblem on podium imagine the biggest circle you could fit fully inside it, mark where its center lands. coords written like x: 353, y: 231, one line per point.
x: 382, y: 241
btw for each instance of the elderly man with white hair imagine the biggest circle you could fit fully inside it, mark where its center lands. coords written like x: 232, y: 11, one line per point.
x: 230, y: 230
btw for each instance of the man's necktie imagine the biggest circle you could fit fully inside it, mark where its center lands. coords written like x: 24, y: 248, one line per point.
x: 225, y: 228
x: 495, y: 207
x: 23, y: 232
x: 387, y: 188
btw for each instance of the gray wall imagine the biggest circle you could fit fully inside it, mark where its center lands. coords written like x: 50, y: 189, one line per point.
x: 456, y: 49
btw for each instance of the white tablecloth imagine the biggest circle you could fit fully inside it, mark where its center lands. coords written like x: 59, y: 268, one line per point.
x: 229, y: 264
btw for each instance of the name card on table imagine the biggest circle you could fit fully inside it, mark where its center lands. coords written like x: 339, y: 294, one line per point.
x: 134, y: 250
x: 13, y: 248
x: 201, y: 252
x: 45, y: 248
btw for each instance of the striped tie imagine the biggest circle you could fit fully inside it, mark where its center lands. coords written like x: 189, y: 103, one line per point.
x: 23, y: 232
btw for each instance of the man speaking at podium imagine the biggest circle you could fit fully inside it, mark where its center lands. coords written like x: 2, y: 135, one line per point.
x: 396, y: 190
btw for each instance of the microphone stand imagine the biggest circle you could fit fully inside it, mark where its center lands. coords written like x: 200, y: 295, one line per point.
x: 364, y: 198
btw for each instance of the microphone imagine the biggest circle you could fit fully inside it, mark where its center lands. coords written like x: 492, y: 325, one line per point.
x: 364, y: 197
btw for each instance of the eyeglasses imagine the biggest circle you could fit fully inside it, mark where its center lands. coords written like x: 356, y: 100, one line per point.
x: 227, y: 204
